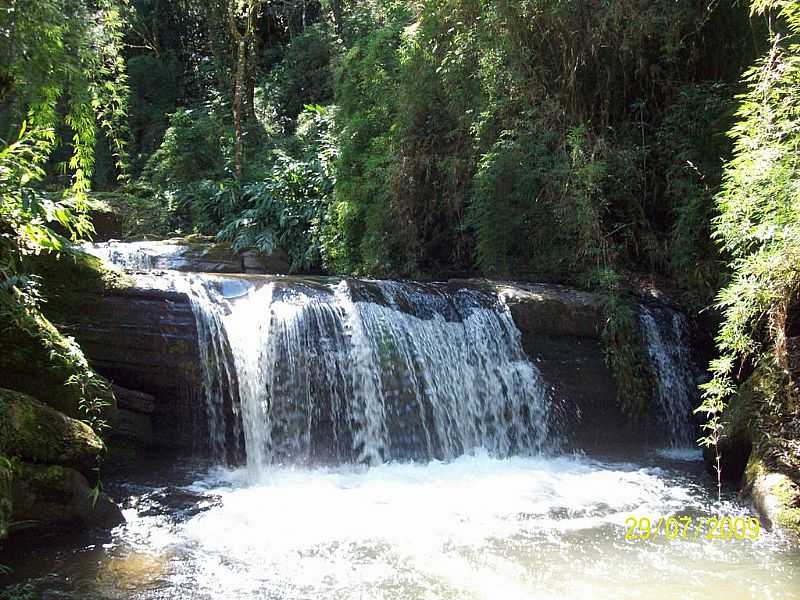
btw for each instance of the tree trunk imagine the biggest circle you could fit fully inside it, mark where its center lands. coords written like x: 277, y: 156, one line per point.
x: 238, y: 95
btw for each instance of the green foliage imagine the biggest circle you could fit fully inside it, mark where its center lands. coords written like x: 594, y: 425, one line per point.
x: 759, y: 223
x: 61, y: 63
x: 366, y: 88
x: 488, y: 134
x: 623, y: 345
x: 155, y: 83
x: 28, y: 216
x: 287, y: 210
x: 18, y: 592
x: 693, y: 145
x: 304, y: 74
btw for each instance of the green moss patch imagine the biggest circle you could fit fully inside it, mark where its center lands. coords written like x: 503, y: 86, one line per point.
x: 39, y: 434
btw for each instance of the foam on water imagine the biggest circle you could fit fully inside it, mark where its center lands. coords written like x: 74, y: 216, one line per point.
x: 473, y: 528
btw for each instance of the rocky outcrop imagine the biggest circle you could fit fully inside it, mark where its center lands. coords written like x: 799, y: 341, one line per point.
x: 135, y: 416
x: 37, y: 433
x: 52, y: 457
x: 775, y: 496
x: 45, y: 495
x: 561, y: 331
x: 553, y: 310
x: 146, y: 340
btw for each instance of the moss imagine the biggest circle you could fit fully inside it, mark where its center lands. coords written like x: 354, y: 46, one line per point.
x: 787, y: 494
x: 39, y: 434
x: 73, y: 282
x: 36, y: 358
x: 775, y: 495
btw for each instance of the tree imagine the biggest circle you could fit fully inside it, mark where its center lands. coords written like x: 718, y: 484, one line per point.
x: 242, y: 18
x: 758, y: 227
x: 63, y: 80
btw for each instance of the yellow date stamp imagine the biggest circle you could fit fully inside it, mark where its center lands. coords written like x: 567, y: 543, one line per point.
x: 688, y: 528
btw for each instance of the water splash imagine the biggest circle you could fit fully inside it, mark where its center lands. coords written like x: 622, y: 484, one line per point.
x: 667, y: 339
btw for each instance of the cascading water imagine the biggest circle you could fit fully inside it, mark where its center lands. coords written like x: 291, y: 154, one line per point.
x: 666, y: 337
x: 324, y: 371
x: 313, y: 371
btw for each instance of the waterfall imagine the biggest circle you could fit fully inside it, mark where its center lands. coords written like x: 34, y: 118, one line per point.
x: 666, y: 336
x: 362, y: 371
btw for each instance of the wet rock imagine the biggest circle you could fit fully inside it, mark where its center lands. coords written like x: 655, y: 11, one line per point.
x: 553, y: 310
x: 176, y: 503
x: 134, y: 401
x: 258, y: 262
x: 44, y: 496
x: 775, y: 496
x: 134, y: 426
x: 39, y: 434
x: 146, y: 340
x: 560, y: 330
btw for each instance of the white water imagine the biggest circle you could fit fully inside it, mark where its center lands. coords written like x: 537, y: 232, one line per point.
x: 305, y: 371
x: 302, y: 370
x: 667, y: 341
x: 476, y: 528
x: 135, y: 256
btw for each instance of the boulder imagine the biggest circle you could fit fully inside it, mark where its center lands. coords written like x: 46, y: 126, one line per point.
x: 59, y: 496
x: 39, y: 434
x: 138, y: 402
x: 775, y: 496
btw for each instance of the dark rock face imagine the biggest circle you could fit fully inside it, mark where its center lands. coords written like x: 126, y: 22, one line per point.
x: 39, y: 434
x: 55, y: 495
x: 146, y: 340
x: 553, y: 310
x: 561, y: 334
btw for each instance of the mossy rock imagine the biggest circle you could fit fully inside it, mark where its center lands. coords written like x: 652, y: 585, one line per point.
x: 72, y: 282
x: 35, y: 357
x: 40, y: 434
x: 54, y: 495
x: 775, y: 496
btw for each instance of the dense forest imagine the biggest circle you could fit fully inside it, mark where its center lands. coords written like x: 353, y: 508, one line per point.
x: 609, y: 145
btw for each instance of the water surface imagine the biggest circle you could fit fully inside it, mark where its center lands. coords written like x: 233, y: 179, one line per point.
x: 472, y: 528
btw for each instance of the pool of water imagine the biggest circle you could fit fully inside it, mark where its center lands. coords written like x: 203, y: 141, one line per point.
x: 472, y: 528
